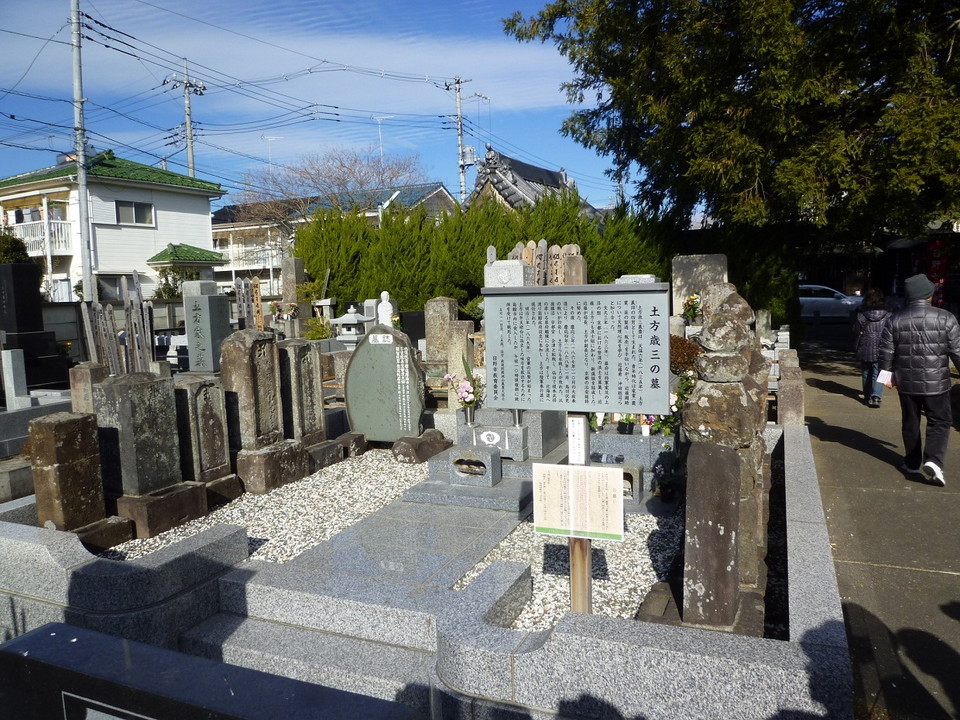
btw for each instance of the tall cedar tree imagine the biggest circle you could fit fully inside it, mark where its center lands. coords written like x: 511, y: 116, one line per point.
x: 837, y: 114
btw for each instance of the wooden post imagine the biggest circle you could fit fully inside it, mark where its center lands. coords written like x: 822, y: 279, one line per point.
x: 581, y: 552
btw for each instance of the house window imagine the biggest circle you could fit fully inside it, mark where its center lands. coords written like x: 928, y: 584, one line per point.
x: 134, y: 213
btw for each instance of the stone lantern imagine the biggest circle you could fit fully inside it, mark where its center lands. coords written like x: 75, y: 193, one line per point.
x: 351, y: 327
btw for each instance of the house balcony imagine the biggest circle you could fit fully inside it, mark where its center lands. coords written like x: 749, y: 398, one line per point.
x: 243, y: 258
x: 34, y: 236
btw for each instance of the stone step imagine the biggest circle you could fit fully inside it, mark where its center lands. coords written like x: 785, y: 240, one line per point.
x: 389, y: 672
x: 358, y: 607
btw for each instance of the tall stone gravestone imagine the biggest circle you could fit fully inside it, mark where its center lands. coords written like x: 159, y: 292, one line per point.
x: 21, y: 319
x: 207, y: 315
x: 249, y: 368
x: 692, y: 273
x: 140, y: 453
x: 384, y: 387
x: 204, y: 444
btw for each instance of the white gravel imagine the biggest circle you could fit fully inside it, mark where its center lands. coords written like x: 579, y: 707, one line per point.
x: 293, y: 518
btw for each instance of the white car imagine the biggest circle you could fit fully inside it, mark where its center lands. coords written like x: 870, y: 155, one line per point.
x: 823, y: 301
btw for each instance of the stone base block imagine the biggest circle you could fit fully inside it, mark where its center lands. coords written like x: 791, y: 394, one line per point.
x: 354, y: 444
x: 106, y: 533
x: 223, y: 490
x: 324, y: 454
x: 268, y: 468
x: 475, y: 466
x: 510, y: 441
x: 16, y: 479
x: 164, y: 509
x: 420, y: 449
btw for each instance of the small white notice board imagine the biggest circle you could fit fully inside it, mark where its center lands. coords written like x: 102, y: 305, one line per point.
x: 578, y: 501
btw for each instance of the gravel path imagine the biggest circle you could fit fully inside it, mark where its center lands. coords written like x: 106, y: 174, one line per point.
x: 284, y: 523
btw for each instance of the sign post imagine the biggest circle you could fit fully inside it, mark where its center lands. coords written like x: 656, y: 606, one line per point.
x: 596, y: 348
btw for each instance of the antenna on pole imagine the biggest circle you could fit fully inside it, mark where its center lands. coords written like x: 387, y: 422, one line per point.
x: 194, y: 87
x: 379, y: 119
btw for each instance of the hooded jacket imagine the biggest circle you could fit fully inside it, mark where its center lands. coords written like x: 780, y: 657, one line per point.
x: 869, y: 325
x: 916, y: 344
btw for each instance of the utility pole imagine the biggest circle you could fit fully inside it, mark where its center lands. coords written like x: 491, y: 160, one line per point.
x: 80, y: 150
x: 189, y: 87
x: 461, y: 162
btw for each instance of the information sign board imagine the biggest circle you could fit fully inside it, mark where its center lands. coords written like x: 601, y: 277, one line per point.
x: 588, y: 348
x: 578, y: 501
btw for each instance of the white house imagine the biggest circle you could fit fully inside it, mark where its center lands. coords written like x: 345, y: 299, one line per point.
x: 254, y: 244
x: 135, y: 211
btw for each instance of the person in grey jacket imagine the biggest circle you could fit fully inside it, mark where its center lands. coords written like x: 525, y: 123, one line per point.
x: 868, y: 324
x: 917, y: 345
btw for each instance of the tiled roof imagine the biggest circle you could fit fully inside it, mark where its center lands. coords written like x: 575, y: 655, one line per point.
x: 520, y: 183
x: 186, y: 255
x: 107, y: 165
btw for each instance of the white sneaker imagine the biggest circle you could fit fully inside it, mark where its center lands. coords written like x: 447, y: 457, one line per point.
x: 933, y: 473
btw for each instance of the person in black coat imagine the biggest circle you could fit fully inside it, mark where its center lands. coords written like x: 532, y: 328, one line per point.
x: 917, y: 345
x: 868, y: 324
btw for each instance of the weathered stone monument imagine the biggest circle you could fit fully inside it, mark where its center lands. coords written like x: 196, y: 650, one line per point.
x: 251, y: 380
x: 140, y: 453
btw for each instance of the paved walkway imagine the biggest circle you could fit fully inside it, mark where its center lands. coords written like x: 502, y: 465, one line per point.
x: 896, y: 541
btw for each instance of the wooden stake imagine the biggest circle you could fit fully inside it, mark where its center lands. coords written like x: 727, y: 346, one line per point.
x: 581, y: 552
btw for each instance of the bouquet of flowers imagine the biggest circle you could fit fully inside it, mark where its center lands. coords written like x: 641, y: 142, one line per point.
x: 691, y: 306
x: 469, y: 389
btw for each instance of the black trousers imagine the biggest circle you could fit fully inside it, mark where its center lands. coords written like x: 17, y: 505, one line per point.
x: 939, y: 421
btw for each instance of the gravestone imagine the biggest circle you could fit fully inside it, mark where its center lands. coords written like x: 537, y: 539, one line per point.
x: 554, y: 266
x: 65, y: 459
x: 711, y: 579
x: 508, y: 273
x: 137, y: 419
x: 207, y: 320
x: 540, y: 262
x: 459, y: 353
x: 691, y: 274
x: 21, y: 320
x: 15, y: 380
x: 438, y: 314
x: 249, y: 368
x: 204, y: 444
x: 292, y: 276
x: 384, y: 387
x: 244, y: 299
x: 66, y: 470
x: 301, y: 390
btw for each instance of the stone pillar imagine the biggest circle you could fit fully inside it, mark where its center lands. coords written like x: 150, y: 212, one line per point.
x: 204, y: 444
x: 251, y: 380
x: 301, y: 391
x: 249, y: 368
x: 292, y: 275
x: 66, y: 470
x: 82, y: 379
x: 207, y: 320
x: 711, y: 580
x: 15, y: 380
x: 438, y: 314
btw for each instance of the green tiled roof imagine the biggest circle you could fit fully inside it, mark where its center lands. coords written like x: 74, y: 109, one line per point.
x: 186, y: 255
x: 108, y: 165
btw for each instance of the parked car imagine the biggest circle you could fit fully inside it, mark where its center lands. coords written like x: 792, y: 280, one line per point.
x: 826, y: 302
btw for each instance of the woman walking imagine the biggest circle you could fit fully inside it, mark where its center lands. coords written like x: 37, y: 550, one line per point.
x: 868, y: 324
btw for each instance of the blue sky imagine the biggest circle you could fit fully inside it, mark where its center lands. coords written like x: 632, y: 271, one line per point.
x: 284, y: 79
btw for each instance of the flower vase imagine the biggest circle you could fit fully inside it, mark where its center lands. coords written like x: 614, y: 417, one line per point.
x: 625, y: 428
x: 645, y: 430
x: 469, y: 414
